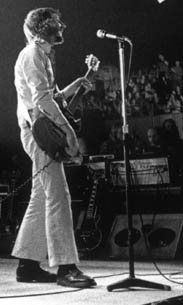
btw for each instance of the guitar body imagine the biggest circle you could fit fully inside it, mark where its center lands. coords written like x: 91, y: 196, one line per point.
x: 75, y: 123
x: 50, y: 138
x: 89, y: 237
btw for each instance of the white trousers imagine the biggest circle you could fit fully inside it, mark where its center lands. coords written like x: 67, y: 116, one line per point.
x: 47, y: 226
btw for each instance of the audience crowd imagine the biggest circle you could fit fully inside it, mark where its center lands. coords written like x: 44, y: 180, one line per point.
x: 149, y: 92
x: 153, y: 91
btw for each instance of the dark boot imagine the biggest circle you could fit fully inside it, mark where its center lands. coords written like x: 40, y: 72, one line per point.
x: 29, y: 271
x: 71, y: 276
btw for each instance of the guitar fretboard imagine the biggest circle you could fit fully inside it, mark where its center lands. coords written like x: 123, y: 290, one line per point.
x: 91, y: 206
x: 79, y: 92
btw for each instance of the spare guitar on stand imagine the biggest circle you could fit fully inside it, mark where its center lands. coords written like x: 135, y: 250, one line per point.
x: 89, y: 236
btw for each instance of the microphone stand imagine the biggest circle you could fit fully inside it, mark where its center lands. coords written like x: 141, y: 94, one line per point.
x: 131, y: 281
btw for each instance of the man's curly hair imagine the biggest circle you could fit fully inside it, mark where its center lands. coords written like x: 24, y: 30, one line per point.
x: 40, y: 22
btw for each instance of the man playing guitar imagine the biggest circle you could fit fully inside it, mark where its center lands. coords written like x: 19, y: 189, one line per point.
x: 47, y: 227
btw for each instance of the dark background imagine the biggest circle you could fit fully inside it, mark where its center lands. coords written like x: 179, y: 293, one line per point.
x: 153, y: 28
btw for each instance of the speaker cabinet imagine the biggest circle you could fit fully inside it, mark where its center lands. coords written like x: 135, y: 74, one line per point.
x: 163, y: 233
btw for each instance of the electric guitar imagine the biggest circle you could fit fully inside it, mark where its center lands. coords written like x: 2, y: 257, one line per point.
x: 89, y: 237
x: 49, y: 136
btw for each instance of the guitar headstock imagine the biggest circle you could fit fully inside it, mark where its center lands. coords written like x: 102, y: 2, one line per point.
x: 92, y: 62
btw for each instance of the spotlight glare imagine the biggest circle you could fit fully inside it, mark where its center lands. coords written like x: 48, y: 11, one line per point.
x: 161, y: 1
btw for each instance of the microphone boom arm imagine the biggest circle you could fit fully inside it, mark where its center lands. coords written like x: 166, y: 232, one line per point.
x: 103, y: 34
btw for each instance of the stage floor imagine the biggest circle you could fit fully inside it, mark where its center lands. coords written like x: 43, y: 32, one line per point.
x: 105, y: 273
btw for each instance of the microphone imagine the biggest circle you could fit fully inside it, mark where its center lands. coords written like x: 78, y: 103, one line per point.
x: 103, y: 34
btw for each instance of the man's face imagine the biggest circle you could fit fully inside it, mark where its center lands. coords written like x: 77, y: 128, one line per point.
x: 57, y: 23
x: 153, y: 137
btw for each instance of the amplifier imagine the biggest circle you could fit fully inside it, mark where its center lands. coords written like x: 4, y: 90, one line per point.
x: 142, y: 171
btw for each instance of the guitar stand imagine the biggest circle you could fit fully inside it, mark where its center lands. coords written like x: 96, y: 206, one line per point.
x: 131, y: 281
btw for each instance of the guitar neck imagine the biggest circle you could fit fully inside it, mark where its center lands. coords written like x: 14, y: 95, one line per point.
x: 79, y: 92
x: 91, y: 206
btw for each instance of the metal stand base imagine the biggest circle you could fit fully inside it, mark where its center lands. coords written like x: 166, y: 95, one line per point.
x: 135, y: 282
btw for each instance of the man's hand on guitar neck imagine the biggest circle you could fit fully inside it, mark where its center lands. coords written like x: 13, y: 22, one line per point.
x: 74, y: 86
x: 84, y: 81
x: 93, y: 64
